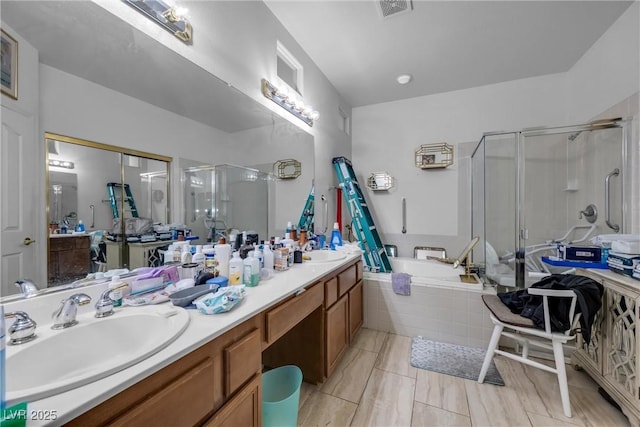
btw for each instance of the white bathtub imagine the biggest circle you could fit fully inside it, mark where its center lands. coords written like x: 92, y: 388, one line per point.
x: 429, y: 272
x: 440, y: 307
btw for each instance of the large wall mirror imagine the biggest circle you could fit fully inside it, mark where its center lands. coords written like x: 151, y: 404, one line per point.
x: 120, y: 196
x: 113, y: 97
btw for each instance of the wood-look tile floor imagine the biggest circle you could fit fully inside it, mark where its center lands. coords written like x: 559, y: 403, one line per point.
x: 375, y: 385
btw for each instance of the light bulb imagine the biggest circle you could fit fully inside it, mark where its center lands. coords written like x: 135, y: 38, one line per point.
x: 315, y: 115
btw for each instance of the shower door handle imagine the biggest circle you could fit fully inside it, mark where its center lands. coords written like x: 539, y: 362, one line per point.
x: 607, y: 200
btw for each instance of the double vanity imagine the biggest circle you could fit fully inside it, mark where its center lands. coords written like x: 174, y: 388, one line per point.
x: 165, y: 365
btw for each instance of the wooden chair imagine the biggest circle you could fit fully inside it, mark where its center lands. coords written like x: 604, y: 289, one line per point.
x: 527, y: 334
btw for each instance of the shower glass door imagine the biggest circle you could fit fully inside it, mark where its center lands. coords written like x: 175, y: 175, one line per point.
x: 538, y: 187
x: 571, y: 190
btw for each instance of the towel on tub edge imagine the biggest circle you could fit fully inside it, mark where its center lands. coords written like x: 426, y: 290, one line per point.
x: 401, y: 283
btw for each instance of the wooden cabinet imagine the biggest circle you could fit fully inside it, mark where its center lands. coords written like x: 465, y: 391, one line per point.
x: 192, y: 389
x: 69, y: 257
x: 612, y: 357
x: 284, y: 317
x: 243, y: 410
x: 337, y: 333
x: 219, y: 384
x: 344, y: 312
x: 356, y: 309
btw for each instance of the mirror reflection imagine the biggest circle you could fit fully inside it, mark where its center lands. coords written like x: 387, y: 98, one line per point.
x: 207, y: 120
x: 96, y: 219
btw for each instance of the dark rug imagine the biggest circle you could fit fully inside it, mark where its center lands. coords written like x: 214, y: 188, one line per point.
x: 451, y: 359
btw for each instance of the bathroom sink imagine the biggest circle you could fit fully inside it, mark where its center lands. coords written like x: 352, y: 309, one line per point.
x: 324, y: 256
x: 57, y: 361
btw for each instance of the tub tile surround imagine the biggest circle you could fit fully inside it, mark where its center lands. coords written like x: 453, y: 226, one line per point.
x: 529, y: 398
x: 452, y: 315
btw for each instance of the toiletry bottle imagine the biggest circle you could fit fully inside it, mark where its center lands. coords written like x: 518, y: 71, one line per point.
x: 260, y: 254
x: 235, y: 269
x: 267, y: 255
x: 3, y: 376
x: 336, y: 237
x: 199, y: 258
x: 287, y: 231
x: 223, y: 255
x: 116, y: 296
x: 80, y: 226
x: 185, y: 255
x: 251, y: 271
x: 255, y: 270
x: 290, y: 255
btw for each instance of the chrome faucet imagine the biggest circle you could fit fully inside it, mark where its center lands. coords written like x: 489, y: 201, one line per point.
x: 23, y: 329
x: 104, y: 306
x: 27, y: 287
x: 65, y: 315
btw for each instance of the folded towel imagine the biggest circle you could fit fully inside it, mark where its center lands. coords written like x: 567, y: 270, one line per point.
x: 401, y: 283
x: 631, y: 247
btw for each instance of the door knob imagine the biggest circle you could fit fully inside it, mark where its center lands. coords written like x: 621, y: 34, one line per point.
x: 28, y: 240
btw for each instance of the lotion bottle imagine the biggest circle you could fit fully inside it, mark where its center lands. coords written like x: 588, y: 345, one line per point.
x: 235, y: 269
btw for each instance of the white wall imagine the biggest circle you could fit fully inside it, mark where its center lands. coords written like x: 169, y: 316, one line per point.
x: 385, y: 135
x: 608, y: 72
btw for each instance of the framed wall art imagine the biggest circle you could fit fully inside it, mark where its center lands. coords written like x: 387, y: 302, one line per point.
x: 9, y: 68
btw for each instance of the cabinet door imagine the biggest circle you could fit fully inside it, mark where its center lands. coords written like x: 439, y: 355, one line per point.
x: 355, y: 310
x: 243, y: 410
x: 621, y: 346
x: 337, y: 336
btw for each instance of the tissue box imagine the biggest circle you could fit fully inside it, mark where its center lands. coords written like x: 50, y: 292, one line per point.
x: 582, y: 253
x: 623, y: 263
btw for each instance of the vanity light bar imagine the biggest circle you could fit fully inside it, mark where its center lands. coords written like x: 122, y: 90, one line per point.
x: 282, y: 97
x: 169, y: 17
x: 61, y: 164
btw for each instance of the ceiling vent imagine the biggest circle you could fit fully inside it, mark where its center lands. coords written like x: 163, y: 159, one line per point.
x: 394, y: 7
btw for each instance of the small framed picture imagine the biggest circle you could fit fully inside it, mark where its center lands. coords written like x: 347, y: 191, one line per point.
x: 9, y: 66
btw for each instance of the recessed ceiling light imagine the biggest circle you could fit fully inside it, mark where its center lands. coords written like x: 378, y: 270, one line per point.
x: 403, y: 79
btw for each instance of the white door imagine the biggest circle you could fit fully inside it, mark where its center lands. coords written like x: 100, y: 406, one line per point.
x: 18, y: 217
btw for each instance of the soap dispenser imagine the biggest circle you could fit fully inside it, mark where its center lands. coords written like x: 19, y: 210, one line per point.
x: 336, y: 237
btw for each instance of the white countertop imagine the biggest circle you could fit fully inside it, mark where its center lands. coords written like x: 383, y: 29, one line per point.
x: 202, y: 329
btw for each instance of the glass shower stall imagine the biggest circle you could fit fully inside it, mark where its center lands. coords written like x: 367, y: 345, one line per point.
x: 534, y: 188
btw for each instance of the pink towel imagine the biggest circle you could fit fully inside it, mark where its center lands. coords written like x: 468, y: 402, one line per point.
x: 401, y: 283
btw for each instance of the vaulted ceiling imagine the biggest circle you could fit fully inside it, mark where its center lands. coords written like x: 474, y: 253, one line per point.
x: 444, y: 45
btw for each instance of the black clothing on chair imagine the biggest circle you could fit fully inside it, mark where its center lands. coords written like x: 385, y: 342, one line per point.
x: 589, y: 300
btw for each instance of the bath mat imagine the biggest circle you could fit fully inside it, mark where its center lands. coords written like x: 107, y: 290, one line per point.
x: 451, y: 359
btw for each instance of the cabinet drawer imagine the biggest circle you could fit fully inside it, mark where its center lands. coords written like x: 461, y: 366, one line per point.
x: 190, y: 397
x: 346, y: 280
x: 284, y: 317
x: 57, y: 244
x: 330, y: 292
x: 242, y: 361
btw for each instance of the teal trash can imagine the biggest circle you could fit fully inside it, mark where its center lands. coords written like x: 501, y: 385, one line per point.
x: 280, y: 396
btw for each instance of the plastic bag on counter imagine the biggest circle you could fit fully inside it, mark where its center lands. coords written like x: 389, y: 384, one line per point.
x: 222, y: 301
